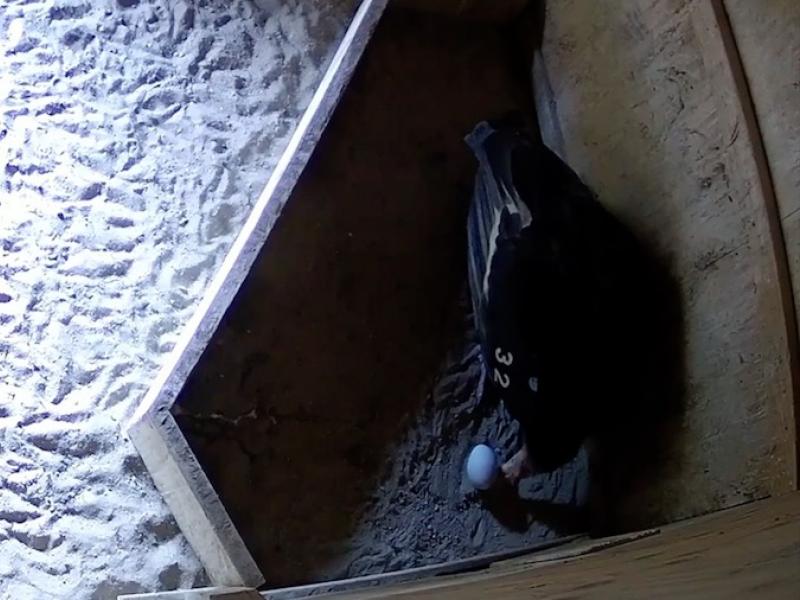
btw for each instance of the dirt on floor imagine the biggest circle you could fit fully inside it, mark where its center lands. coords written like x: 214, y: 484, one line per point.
x: 335, y: 407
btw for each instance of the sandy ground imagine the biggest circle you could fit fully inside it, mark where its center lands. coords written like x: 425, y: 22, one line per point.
x: 134, y: 137
x: 335, y: 406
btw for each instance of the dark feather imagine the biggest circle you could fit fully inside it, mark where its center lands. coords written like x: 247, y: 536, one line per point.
x: 547, y: 267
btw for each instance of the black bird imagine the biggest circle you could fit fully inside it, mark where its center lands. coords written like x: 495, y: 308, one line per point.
x: 553, y: 279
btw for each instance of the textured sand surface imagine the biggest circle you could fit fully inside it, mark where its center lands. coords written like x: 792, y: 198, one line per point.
x: 134, y: 137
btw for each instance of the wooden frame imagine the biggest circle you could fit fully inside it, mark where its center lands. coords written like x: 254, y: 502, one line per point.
x: 164, y: 450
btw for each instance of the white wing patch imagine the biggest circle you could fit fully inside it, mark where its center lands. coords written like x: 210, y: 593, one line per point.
x: 492, y: 249
x: 515, y: 206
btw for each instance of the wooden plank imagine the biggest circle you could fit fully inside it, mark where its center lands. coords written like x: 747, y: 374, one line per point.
x: 748, y: 551
x: 446, y: 568
x: 548, y: 552
x: 649, y: 112
x: 193, y: 501
x: 174, y: 468
x: 767, y: 36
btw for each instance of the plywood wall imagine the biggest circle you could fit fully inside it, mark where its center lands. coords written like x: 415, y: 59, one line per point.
x: 767, y: 35
x: 642, y: 99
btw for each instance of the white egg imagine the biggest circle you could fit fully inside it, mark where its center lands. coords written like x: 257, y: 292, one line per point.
x: 482, y: 467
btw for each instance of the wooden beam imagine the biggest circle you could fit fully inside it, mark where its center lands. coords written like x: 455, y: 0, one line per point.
x: 195, y: 505
x: 749, y: 551
x: 787, y: 423
x: 463, y: 565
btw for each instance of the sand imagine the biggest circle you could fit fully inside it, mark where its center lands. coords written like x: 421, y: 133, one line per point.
x: 336, y: 403
x: 134, y: 137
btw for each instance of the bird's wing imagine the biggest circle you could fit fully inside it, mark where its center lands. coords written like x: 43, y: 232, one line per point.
x: 496, y: 212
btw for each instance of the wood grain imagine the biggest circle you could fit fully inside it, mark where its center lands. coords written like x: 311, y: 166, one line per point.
x: 193, y: 502
x: 649, y: 112
x: 749, y: 551
x: 767, y: 36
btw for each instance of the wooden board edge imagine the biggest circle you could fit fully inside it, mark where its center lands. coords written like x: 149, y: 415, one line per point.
x: 193, y: 501
x: 789, y: 414
x: 524, y: 580
x: 448, y: 568
x: 237, y: 263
